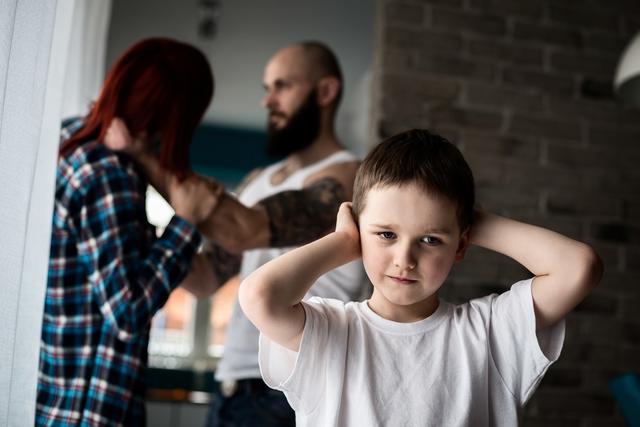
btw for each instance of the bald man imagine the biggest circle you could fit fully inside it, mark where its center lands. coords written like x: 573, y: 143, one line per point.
x: 284, y: 205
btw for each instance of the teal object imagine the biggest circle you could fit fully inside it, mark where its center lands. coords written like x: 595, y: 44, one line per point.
x: 182, y: 379
x: 626, y: 391
x: 228, y: 153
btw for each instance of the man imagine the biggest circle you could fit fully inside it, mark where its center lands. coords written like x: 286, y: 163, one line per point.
x: 286, y: 204
x: 297, y: 199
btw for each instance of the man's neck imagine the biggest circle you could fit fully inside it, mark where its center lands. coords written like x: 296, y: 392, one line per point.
x: 324, y: 145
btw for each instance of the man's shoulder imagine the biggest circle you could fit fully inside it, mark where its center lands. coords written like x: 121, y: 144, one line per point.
x: 337, y: 163
x: 248, y: 179
x: 340, y: 167
x: 345, y: 167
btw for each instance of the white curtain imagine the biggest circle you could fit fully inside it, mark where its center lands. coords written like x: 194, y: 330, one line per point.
x: 35, y: 41
x: 87, y: 51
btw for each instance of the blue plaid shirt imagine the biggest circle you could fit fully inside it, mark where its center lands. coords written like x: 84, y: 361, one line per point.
x: 108, y: 276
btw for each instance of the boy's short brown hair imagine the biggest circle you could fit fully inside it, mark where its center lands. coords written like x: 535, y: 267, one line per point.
x: 420, y: 157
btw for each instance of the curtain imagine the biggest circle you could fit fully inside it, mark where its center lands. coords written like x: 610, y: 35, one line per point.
x: 39, y: 65
x: 86, y: 59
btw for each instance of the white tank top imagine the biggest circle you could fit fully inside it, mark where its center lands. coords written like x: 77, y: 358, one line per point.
x: 240, y: 358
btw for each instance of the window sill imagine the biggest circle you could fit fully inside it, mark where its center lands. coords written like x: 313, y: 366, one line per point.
x: 179, y: 385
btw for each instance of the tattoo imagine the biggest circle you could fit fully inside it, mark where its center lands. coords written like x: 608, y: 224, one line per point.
x: 225, y: 264
x: 297, y: 217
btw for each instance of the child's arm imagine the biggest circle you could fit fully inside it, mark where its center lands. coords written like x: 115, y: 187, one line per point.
x: 270, y: 296
x: 566, y: 270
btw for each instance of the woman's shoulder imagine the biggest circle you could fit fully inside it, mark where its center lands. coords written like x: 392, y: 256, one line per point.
x: 91, y: 163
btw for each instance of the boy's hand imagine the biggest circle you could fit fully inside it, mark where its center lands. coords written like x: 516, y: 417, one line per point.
x: 194, y: 198
x: 118, y: 138
x: 346, y: 224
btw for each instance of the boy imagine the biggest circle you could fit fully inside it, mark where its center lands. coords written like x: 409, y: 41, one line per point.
x: 404, y: 357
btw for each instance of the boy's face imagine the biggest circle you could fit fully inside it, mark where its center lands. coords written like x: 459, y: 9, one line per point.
x: 410, y: 240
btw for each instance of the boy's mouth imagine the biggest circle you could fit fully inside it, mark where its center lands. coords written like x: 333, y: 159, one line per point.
x: 402, y: 280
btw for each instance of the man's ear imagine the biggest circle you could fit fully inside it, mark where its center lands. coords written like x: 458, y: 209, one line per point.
x: 328, y: 89
x: 463, y: 244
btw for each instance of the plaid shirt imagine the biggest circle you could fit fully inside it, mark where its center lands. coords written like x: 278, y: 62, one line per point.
x: 108, y: 276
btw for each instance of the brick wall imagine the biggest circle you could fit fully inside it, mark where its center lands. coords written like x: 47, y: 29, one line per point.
x: 524, y: 88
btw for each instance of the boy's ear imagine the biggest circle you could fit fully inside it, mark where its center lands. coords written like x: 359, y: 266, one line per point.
x: 463, y: 243
x: 328, y: 88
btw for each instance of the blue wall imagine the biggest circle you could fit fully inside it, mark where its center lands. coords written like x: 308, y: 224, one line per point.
x: 228, y: 153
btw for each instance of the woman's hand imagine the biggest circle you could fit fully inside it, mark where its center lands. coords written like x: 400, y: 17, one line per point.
x: 195, y: 198
x: 118, y: 138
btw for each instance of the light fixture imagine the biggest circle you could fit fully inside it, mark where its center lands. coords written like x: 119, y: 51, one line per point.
x: 209, y: 17
x: 627, y: 80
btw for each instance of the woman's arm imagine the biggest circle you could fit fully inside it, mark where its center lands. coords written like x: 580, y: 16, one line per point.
x: 131, y: 275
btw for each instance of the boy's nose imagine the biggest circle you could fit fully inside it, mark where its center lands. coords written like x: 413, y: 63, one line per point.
x: 404, y: 260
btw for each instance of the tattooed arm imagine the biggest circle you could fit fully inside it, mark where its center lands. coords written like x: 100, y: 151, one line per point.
x: 210, y: 270
x: 214, y: 266
x: 299, y: 217
x: 288, y: 218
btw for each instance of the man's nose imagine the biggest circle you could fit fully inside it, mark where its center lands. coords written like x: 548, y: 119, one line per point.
x: 268, y: 100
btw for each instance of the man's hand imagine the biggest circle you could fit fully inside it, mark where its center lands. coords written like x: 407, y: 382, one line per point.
x: 346, y: 224
x: 194, y: 198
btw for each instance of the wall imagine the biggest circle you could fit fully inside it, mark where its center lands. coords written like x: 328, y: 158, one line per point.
x: 524, y: 88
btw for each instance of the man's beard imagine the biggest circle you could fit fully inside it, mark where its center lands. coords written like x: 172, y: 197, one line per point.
x: 298, y: 133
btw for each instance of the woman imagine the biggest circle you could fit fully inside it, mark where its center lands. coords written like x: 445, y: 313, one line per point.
x: 108, y: 273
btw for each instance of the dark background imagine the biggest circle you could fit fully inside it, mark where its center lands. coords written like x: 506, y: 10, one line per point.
x: 525, y: 89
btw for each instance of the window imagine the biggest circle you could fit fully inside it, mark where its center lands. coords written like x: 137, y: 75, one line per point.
x: 172, y: 327
x: 221, y: 309
x: 187, y: 332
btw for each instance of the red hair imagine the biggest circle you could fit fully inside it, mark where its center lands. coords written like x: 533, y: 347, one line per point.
x: 160, y: 86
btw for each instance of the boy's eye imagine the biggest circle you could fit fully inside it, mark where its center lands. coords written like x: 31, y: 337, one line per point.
x: 387, y: 235
x: 430, y: 240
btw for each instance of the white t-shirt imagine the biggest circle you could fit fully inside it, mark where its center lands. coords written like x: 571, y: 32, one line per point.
x: 475, y: 364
